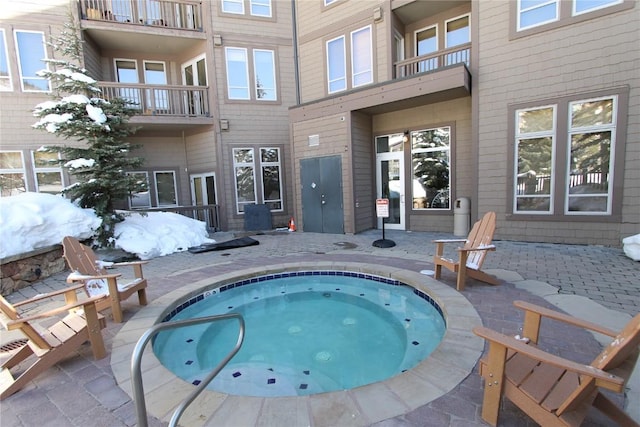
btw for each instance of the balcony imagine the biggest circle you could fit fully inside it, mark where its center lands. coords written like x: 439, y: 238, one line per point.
x: 163, y: 105
x: 443, y: 58
x: 176, y: 14
x: 157, y: 26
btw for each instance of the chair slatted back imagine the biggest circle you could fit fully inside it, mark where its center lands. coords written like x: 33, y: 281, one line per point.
x: 481, y: 235
x: 80, y: 257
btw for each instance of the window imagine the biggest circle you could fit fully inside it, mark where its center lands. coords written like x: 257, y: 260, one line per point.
x: 535, y: 130
x: 532, y: 13
x: 256, y: 7
x: 246, y: 181
x: 166, y: 188
x: 361, y: 64
x: 31, y: 55
x: 47, y: 172
x: 233, y: 6
x: 427, y: 43
x: 271, y: 182
x: 12, y: 173
x: 565, y: 156
x: 243, y: 166
x: 127, y: 72
x: 328, y: 2
x: 265, y: 75
x: 457, y: 31
x: 591, y: 143
x: 5, y: 77
x: 142, y: 199
x: 263, y: 79
x: 555, y: 13
x: 261, y: 8
x: 336, y: 65
x: 584, y: 6
x: 237, y: 73
x: 154, y: 74
x: 430, y: 160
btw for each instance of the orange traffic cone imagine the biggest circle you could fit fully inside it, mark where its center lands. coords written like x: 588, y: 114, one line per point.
x: 292, y: 225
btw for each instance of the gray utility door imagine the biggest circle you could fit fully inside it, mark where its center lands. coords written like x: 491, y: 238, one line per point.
x: 322, y: 210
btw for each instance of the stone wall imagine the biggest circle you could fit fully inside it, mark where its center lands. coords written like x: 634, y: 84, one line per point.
x: 22, y: 270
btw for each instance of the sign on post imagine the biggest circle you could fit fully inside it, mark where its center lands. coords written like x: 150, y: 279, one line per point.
x: 382, y: 208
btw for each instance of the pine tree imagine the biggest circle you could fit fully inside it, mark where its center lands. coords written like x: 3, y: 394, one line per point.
x: 77, y: 112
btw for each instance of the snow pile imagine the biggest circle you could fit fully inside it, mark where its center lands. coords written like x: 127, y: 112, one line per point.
x: 159, y: 233
x: 631, y: 247
x: 35, y: 220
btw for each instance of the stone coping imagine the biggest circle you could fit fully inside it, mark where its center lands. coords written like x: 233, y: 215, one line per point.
x: 450, y: 363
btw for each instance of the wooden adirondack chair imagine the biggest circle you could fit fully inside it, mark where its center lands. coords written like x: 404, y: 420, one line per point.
x: 471, y: 255
x: 82, y: 323
x: 552, y: 390
x: 88, y: 270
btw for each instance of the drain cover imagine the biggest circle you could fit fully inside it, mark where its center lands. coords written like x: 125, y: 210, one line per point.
x: 13, y: 345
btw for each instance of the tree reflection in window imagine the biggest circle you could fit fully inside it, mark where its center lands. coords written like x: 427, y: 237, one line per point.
x: 430, y: 156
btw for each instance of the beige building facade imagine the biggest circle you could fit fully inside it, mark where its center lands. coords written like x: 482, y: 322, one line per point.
x: 445, y: 107
x: 317, y: 108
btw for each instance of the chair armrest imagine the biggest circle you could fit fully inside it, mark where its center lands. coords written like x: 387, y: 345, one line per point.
x: 76, y: 277
x: 14, y: 324
x: 48, y: 295
x: 479, y: 248
x: 556, y: 315
x: 122, y: 264
x: 449, y: 241
x: 604, y: 379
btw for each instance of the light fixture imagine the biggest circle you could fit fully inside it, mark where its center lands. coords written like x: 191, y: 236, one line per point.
x: 405, y: 137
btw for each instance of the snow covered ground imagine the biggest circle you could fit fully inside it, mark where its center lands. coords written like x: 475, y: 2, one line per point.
x: 34, y: 220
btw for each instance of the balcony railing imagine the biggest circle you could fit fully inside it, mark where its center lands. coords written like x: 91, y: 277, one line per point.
x: 210, y: 214
x: 161, y: 100
x: 433, y: 61
x: 180, y: 14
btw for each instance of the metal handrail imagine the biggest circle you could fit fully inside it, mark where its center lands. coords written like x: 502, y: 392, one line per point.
x: 136, y: 360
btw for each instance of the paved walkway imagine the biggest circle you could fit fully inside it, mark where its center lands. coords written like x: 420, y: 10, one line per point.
x: 594, y: 282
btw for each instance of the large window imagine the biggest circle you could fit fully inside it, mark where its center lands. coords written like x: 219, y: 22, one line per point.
x: 360, y: 59
x: 592, y: 139
x: 31, y: 55
x: 12, y: 173
x: 47, y: 172
x: 143, y: 198
x: 166, y: 188
x: 269, y: 179
x: 5, y: 77
x: 264, y: 75
x: 262, y: 78
x: 535, y: 136
x: 431, y: 165
x: 336, y: 65
x: 245, y: 179
x: 426, y: 42
x: 536, y: 13
x: 581, y: 131
x: 271, y: 182
x: 155, y: 74
x: 457, y: 31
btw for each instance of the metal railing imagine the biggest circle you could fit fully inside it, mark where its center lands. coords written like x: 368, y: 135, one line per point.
x: 207, y: 213
x: 136, y: 361
x: 433, y: 61
x: 175, y: 14
x: 160, y: 100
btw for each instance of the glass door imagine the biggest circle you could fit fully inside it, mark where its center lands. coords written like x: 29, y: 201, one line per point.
x: 194, y: 73
x: 390, y: 179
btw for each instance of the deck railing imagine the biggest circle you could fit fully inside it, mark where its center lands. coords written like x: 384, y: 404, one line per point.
x: 207, y: 213
x: 180, y: 14
x: 161, y: 100
x: 433, y: 61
